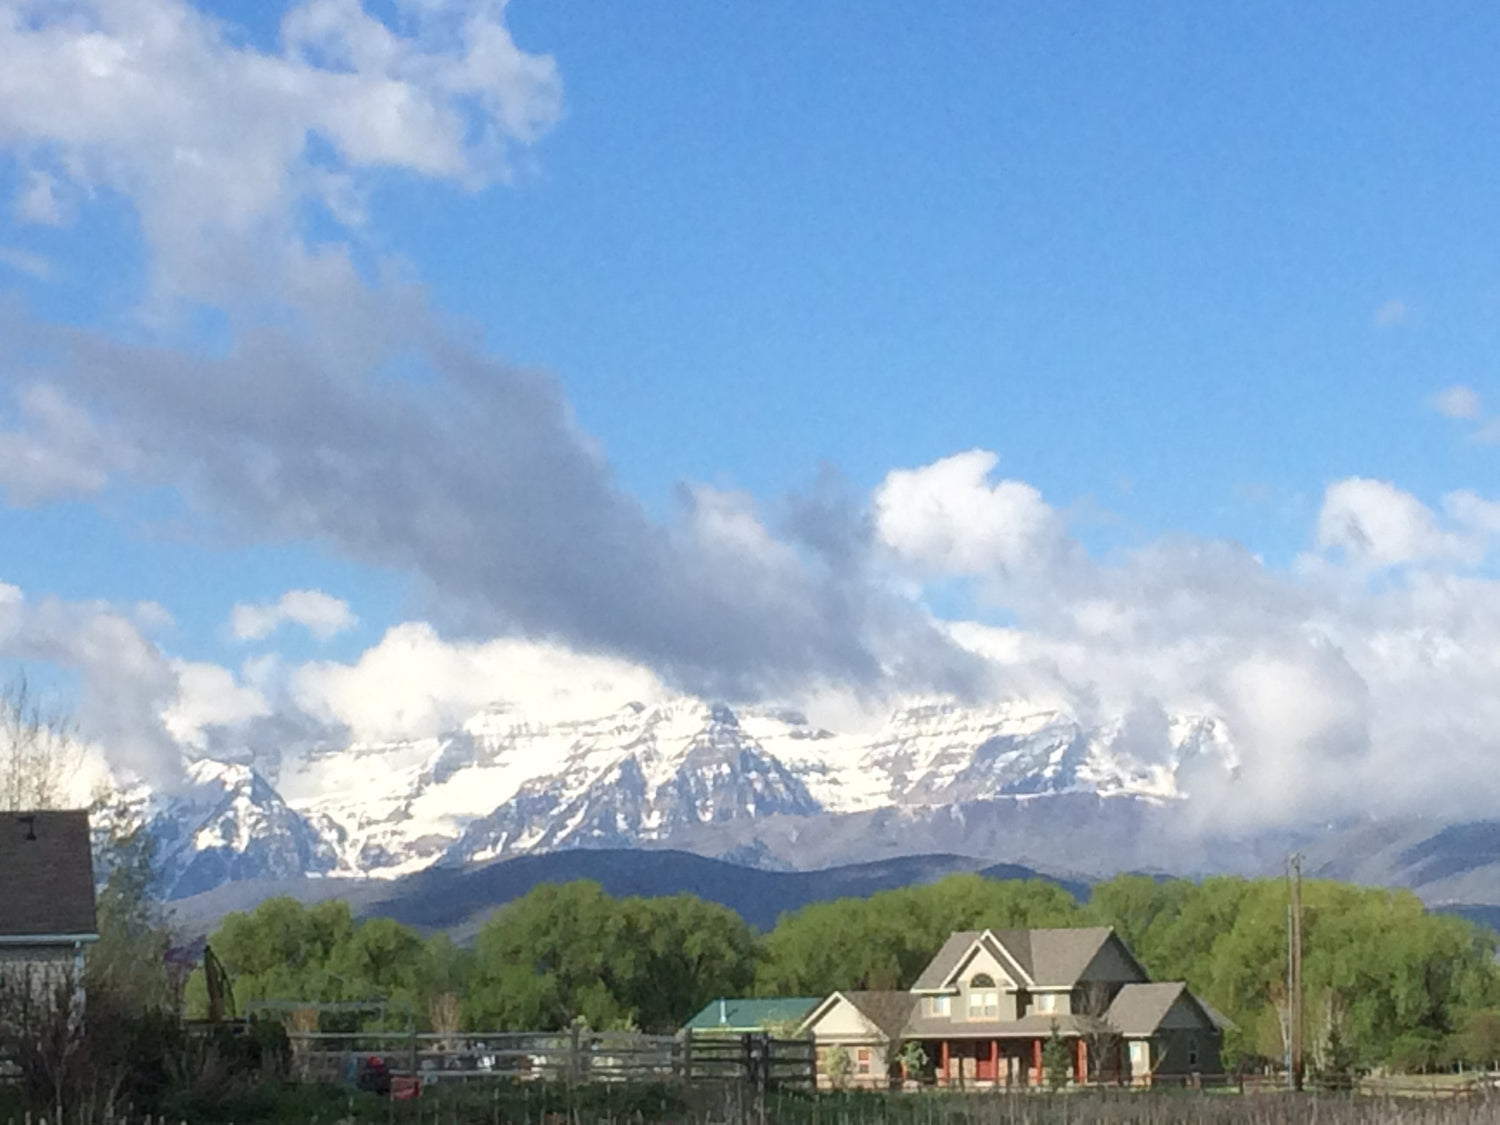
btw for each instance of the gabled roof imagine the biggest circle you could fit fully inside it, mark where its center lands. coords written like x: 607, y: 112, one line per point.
x: 1059, y: 957
x: 1138, y: 1009
x: 1221, y: 1021
x: 46, y: 875
x: 741, y: 1013
x: 941, y: 967
x: 888, y: 1011
x: 1051, y: 958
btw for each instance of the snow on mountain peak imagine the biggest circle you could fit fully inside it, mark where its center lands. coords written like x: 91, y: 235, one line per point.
x: 506, y: 783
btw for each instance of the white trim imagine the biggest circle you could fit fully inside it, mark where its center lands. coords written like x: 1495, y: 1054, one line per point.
x: 819, y: 1012
x: 995, y: 945
x: 47, y: 939
x: 810, y: 1024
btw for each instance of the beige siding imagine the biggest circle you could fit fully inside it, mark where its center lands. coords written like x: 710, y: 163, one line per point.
x: 981, y: 961
x: 1062, y: 1003
x: 844, y: 1027
x: 843, y: 1021
x: 868, y: 1065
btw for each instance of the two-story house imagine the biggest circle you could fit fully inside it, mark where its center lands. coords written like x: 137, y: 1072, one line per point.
x: 984, y: 1008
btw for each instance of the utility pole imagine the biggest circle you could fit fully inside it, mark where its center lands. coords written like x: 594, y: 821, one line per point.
x: 1294, y: 967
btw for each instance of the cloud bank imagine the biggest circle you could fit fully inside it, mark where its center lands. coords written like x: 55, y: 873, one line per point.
x: 337, y: 407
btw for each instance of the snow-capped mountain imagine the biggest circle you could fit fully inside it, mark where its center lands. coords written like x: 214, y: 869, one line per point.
x: 227, y: 823
x: 505, y: 784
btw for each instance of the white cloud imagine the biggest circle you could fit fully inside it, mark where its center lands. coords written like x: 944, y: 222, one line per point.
x: 24, y: 261
x: 414, y: 684
x: 322, y: 615
x: 37, y: 201
x: 210, y: 137
x: 1391, y: 313
x: 1458, y: 402
x: 60, y: 453
x: 126, y: 683
x: 1377, y: 524
x: 949, y: 517
x: 209, y: 695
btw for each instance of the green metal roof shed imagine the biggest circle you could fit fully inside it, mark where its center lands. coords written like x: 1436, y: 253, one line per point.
x: 738, y: 1015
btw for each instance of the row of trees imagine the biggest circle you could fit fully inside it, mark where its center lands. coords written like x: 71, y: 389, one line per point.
x: 1386, y: 981
x: 559, y: 953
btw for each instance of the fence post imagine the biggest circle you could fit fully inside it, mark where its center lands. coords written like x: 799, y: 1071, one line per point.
x: 573, y: 1067
x: 687, y: 1056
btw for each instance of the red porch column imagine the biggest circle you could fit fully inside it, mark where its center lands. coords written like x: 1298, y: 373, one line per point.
x: 1080, y: 1061
x: 1036, y: 1061
x: 943, y: 1063
x: 995, y: 1061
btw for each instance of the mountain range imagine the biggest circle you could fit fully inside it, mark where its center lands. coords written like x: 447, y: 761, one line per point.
x: 759, y: 789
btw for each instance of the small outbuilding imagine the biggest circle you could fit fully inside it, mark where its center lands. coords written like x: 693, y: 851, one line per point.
x: 47, y: 918
x: 742, y: 1015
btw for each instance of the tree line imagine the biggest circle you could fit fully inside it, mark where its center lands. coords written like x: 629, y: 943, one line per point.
x: 1386, y: 982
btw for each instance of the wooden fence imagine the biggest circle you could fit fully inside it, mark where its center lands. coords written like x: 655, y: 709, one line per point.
x: 575, y: 1056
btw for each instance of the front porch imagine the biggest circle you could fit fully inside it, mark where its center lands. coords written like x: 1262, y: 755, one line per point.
x: 976, y: 1063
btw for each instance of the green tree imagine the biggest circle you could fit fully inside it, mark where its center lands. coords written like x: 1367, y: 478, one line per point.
x: 1057, y: 1060
x: 129, y: 961
x: 1478, y: 1040
x: 565, y: 952
x: 885, y: 940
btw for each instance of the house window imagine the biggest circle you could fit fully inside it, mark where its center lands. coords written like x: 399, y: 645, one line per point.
x: 984, y: 997
x: 1193, y: 1054
x: 1046, y: 1002
x: 862, y: 1060
x: 938, y: 1006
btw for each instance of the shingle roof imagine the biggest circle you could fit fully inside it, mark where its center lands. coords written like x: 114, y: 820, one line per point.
x: 1059, y: 957
x: 744, y: 1014
x: 1052, y: 957
x: 46, y: 874
x: 945, y: 960
x: 889, y: 1011
x: 1031, y: 1025
x: 1138, y: 1009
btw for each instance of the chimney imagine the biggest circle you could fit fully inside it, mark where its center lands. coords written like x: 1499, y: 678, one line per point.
x: 723, y: 1012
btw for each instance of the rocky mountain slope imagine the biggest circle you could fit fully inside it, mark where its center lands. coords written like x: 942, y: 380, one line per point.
x: 761, y: 787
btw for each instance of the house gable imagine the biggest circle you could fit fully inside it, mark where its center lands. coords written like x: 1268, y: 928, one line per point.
x: 839, y: 1018
x: 1187, y: 1014
x: 1113, y: 963
x: 989, y: 958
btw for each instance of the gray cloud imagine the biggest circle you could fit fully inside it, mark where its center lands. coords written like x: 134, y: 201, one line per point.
x: 125, y: 679
x: 419, y: 452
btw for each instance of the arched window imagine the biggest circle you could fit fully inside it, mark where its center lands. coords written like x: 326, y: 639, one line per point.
x: 984, y: 997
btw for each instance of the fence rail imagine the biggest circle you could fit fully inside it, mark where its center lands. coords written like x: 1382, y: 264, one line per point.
x: 574, y: 1057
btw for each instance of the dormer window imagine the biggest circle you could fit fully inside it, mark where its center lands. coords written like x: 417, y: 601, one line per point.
x: 938, y: 1005
x: 984, y: 997
x: 1046, y: 1001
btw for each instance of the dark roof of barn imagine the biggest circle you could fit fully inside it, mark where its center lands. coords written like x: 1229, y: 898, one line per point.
x: 46, y: 875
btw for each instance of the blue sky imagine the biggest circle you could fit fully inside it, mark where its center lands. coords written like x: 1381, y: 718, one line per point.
x: 1181, y: 268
